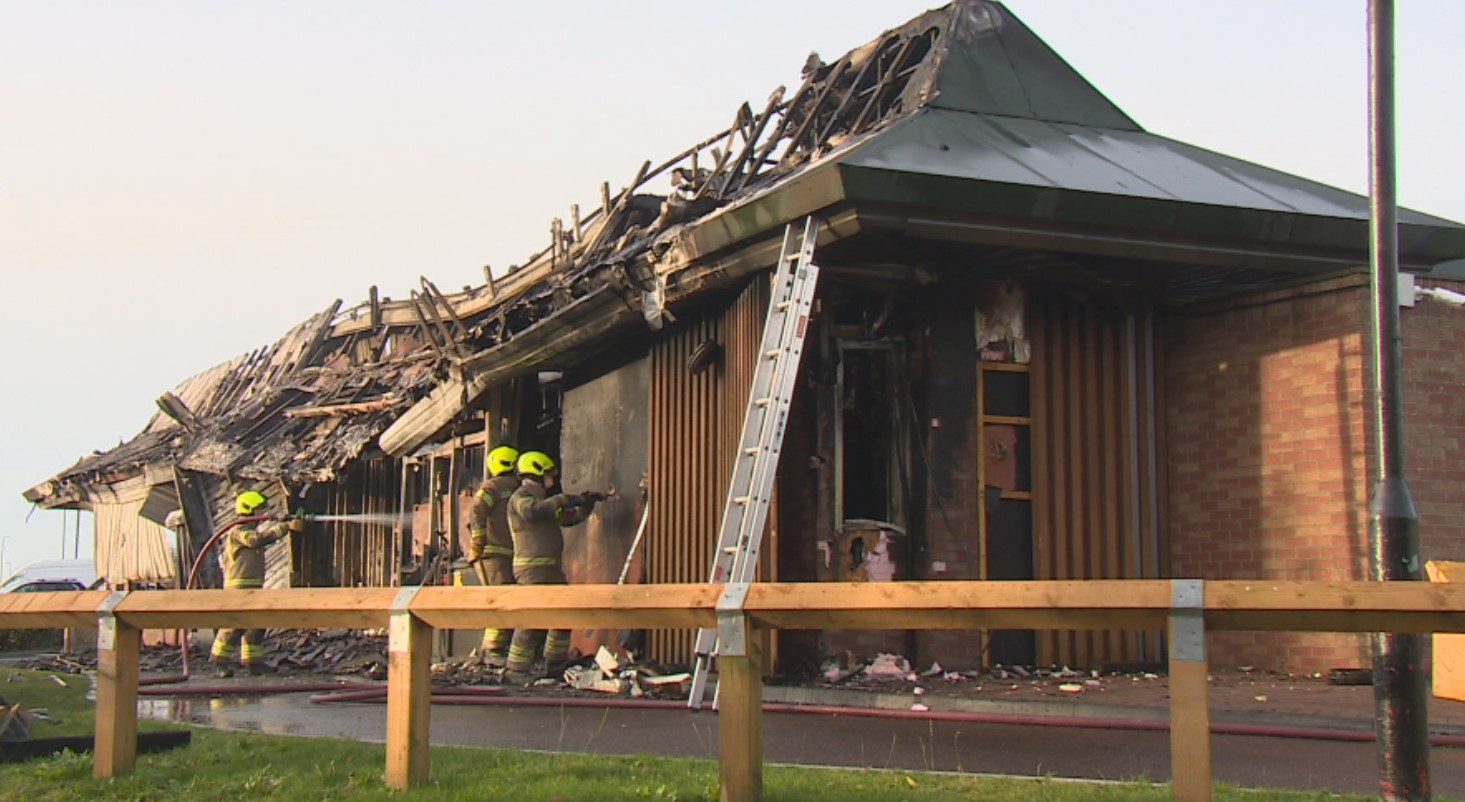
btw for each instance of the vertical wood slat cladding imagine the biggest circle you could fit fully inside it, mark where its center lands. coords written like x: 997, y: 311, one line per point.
x: 361, y: 553
x: 1091, y: 487
x: 695, y: 421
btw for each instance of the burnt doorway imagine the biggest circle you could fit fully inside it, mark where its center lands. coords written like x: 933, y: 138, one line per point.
x: 870, y: 445
x: 1004, y: 404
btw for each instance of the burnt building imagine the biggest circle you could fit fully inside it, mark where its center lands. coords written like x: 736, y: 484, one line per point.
x: 1046, y: 344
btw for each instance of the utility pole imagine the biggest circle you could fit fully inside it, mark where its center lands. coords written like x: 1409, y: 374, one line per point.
x: 1393, y: 534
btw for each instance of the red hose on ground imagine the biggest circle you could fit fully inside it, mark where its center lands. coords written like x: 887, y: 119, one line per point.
x: 1217, y: 728
x: 256, y: 690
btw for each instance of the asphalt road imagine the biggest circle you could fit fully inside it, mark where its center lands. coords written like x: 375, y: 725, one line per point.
x: 829, y: 740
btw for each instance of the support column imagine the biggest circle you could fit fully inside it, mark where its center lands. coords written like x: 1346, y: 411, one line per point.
x: 409, y: 695
x: 739, y: 699
x: 1190, y: 713
x: 118, y: 645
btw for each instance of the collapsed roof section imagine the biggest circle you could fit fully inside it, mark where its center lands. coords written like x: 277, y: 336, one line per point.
x: 301, y: 409
x: 959, y: 126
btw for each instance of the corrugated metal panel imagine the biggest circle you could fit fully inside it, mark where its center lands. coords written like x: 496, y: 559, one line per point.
x: 1093, y: 457
x: 695, y: 420
x: 130, y: 548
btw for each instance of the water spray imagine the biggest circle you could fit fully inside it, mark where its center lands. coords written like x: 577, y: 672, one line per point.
x: 388, y: 519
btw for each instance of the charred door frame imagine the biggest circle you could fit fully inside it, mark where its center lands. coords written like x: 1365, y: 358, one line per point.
x: 899, y: 489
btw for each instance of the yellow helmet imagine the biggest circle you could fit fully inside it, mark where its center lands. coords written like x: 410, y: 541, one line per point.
x: 534, y: 463
x: 248, y: 502
x: 501, y: 460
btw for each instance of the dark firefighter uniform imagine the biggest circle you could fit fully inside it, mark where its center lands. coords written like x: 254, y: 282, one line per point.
x: 535, y: 521
x: 244, y: 567
x: 492, y: 550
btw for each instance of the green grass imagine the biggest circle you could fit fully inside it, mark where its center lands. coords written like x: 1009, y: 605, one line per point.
x: 263, y: 768
x: 68, y: 704
x: 41, y: 690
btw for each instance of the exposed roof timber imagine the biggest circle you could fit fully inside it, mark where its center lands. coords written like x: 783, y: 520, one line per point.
x: 585, y: 322
x: 582, y: 322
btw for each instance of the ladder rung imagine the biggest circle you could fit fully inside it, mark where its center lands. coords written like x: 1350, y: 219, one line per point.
x: 763, y: 402
x: 773, y: 353
x: 752, y: 451
x: 741, y: 499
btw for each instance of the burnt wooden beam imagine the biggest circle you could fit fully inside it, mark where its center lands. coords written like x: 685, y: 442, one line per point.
x: 326, y: 410
x: 174, y: 408
x: 813, y: 111
x: 431, y: 291
x: 750, y: 146
x: 621, y: 202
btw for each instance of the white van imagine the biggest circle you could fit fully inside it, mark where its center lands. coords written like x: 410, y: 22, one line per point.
x: 46, y: 575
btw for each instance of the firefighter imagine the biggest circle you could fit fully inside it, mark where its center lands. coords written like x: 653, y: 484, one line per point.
x: 491, y: 550
x: 244, y: 567
x: 535, y: 520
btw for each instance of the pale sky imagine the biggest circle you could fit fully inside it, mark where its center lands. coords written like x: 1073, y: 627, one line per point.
x: 181, y: 182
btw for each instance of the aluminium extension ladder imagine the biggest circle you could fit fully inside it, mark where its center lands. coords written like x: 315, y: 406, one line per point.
x: 746, y: 510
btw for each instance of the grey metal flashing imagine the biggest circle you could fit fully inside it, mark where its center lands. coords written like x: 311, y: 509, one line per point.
x: 107, y: 620
x: 732, y: 634
x: 1187, y: 620
x: 400, y: 618
x: 403, y: 600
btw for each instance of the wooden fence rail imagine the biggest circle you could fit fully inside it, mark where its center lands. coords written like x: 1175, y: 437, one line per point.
x: 1186, y: 609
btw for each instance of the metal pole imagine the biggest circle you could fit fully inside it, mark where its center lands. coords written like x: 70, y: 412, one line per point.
x: 1398, y: 679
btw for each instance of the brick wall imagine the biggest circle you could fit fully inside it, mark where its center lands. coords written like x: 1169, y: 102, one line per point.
x: 1266, y: 466
x: 1434, y: 421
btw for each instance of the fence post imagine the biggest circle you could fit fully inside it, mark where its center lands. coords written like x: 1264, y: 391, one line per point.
x: 409, y: 694
x: 115, y: 749
x: 1190, y: 713
x: 740, y: 698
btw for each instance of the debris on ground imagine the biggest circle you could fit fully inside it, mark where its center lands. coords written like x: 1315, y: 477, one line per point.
x: 362, y: 654
x: 1233, y: 688
x: 15, y: 722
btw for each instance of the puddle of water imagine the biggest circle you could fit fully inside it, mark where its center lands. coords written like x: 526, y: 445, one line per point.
x: 266, y: 714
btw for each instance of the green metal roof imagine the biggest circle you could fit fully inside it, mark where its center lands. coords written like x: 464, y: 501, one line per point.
x: 994, y: 64
x: 1002, y: 142
x: 1062, y: 175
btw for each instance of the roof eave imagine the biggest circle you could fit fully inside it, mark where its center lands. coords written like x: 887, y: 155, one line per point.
x: 1065, y: 219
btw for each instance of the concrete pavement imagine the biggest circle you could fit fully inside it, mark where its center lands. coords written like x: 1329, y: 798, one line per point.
x: 856, y: 739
